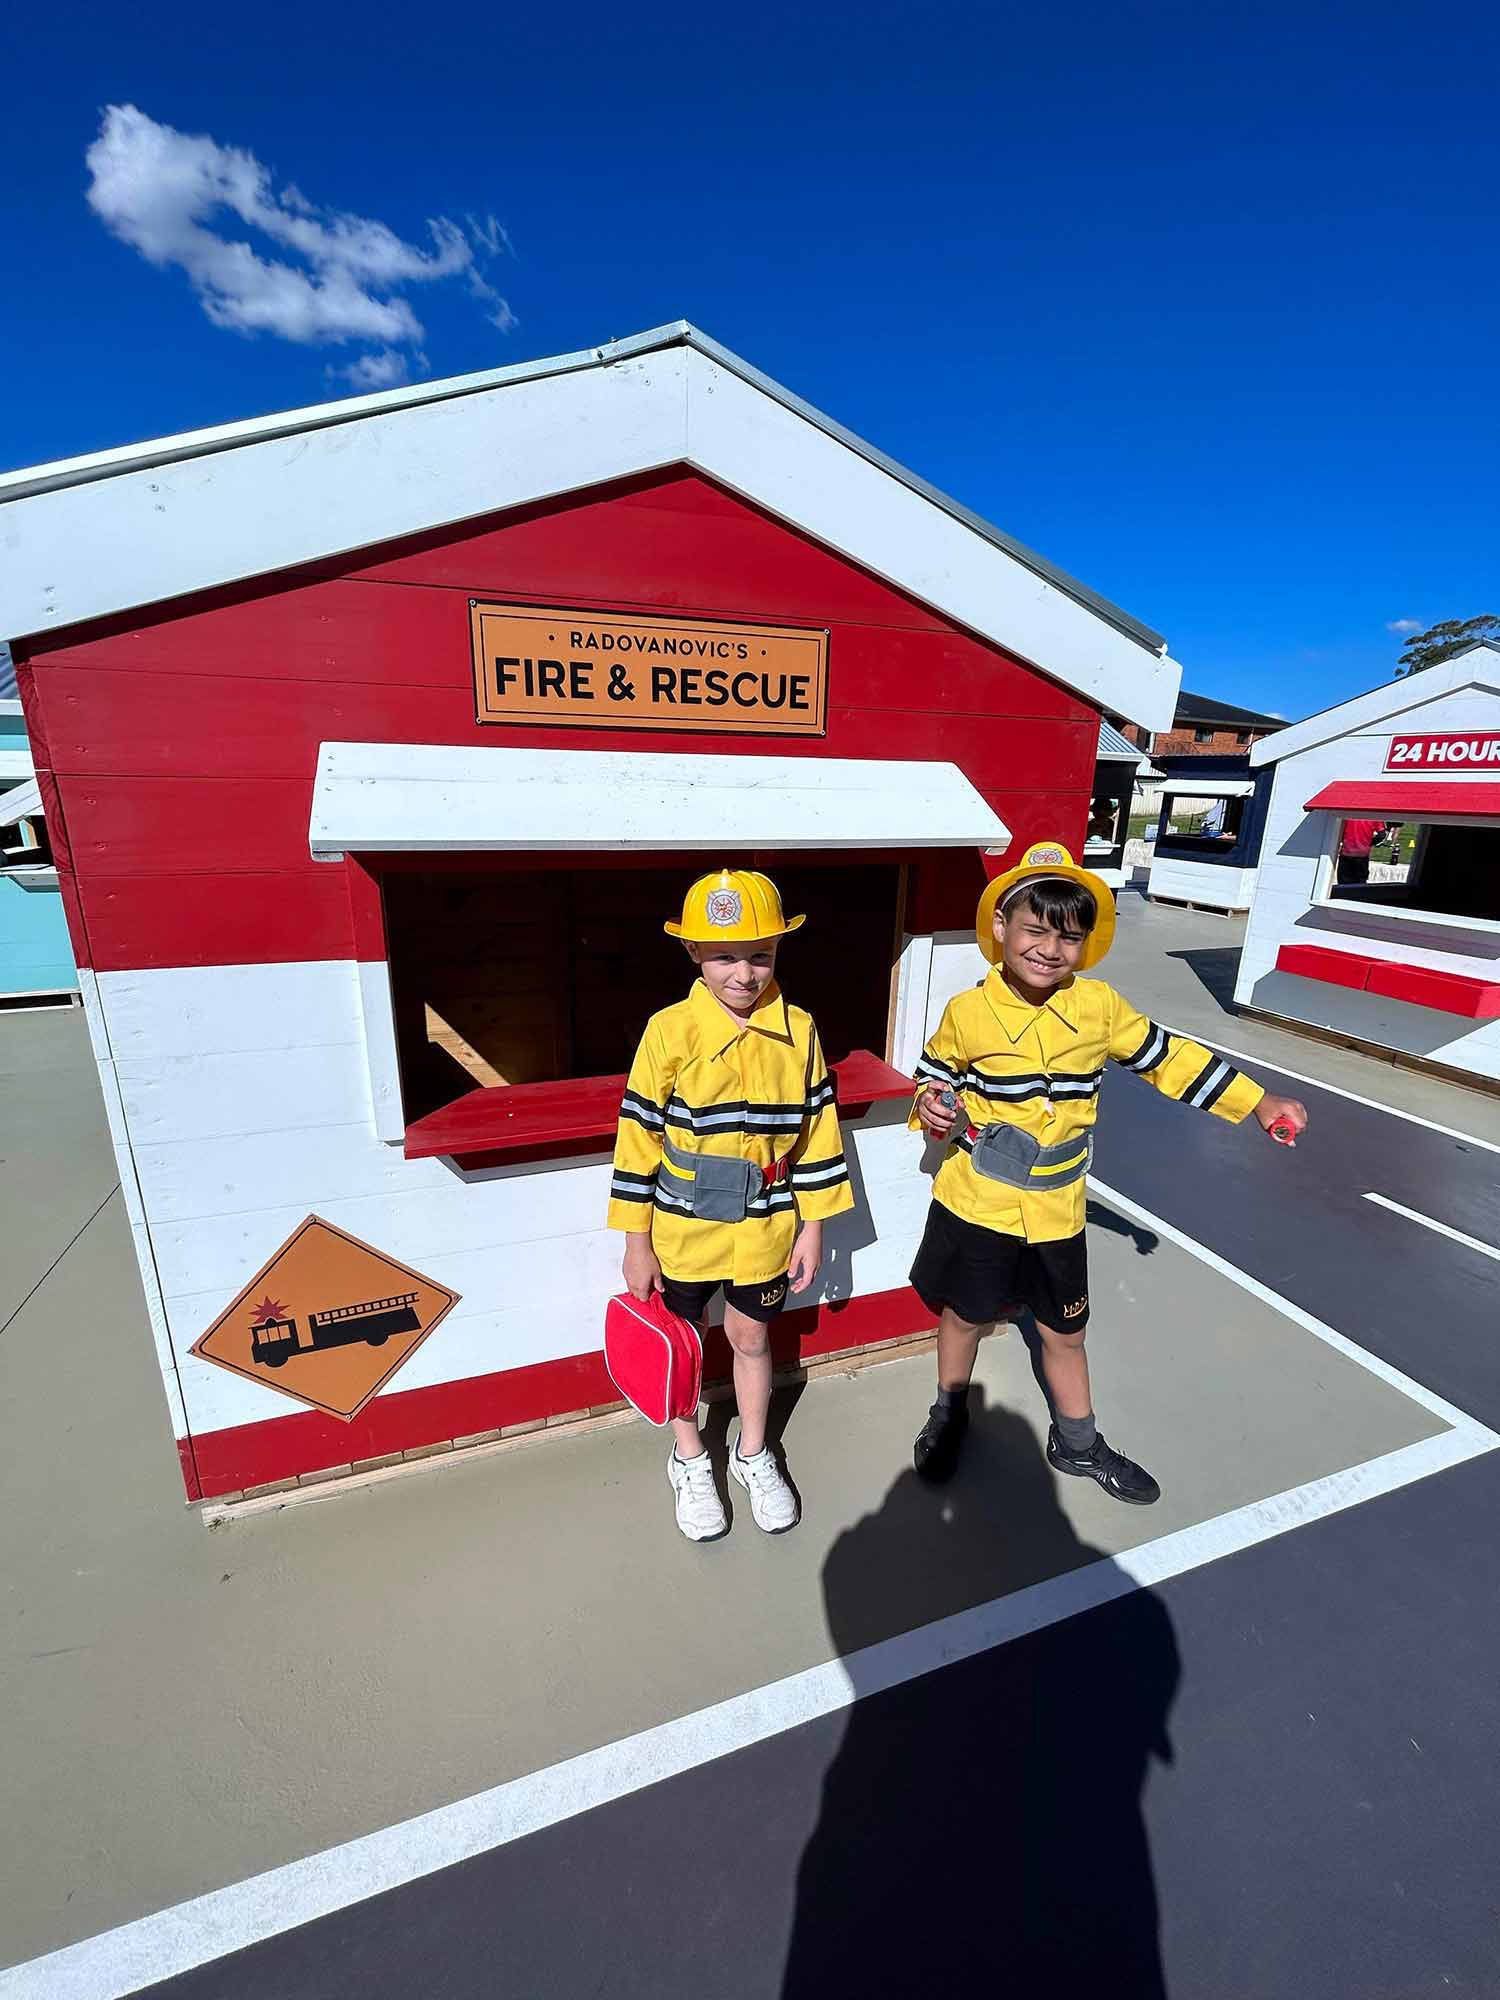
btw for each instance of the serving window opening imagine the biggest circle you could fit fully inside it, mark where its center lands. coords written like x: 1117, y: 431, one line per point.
x: 1430, y: 868
x: 532, y: 975
x: 1200, y: 824
x: 1108, y: 825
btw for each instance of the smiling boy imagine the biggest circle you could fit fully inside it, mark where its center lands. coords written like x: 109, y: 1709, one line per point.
x: 727, y: 1163
x: 1012, y: 1075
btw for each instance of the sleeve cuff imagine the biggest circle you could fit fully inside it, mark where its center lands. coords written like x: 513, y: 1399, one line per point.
x: 1239, y: 1100
x: 633, y: 1217
x: 817, y: 1205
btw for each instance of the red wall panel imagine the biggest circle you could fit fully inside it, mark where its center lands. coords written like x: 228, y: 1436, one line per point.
x: 185, y: 742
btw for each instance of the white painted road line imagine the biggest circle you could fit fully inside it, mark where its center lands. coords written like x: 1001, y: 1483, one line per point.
x: 1354, y: 1097
x: 1431, y: 1222
x: 123, y: 1961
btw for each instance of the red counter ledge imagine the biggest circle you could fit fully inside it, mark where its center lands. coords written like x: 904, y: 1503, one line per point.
x: 540, y: 1120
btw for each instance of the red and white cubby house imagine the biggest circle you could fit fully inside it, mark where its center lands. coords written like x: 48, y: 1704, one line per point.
x: 348, y: 950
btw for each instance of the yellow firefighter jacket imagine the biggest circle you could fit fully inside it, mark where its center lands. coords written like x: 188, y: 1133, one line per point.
x: 761, y: 1093
x: 1040, y: 1068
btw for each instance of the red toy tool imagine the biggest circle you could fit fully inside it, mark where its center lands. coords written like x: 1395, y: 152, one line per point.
x: 1283, y: 1134
x: 654, y: 1357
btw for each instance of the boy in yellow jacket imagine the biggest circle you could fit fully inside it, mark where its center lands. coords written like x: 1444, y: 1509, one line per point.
x: 727, y: 1163
x: 1012, y: 1076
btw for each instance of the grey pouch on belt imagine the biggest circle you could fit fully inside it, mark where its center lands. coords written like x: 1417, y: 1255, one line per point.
x: 722, y: 1190
x: 1005, y: 1153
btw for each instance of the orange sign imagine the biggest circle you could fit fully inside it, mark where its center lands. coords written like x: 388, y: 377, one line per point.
x: 328, y: 1321
x: 577, y: 669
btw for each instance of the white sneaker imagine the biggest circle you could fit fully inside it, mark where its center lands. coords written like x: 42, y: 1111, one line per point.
x: 700, y: 1511
x: 772, y: 1502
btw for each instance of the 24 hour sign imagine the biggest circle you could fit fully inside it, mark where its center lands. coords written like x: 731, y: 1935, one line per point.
x: 570, y: 669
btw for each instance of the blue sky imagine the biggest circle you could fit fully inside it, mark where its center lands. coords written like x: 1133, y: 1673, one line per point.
x: 1199, y: 301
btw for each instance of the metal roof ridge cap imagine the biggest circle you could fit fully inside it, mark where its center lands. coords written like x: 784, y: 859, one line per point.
x: 89, y: 467
x: 1132, y: 628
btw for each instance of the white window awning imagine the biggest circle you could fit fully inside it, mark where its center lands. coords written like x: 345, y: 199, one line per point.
x: 1209, y: 788
x: 16, y: 764
x: 419, y: 797
x: 21, y: 802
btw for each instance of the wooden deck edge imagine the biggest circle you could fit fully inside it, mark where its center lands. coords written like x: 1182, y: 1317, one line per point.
x: 1334, y: 1038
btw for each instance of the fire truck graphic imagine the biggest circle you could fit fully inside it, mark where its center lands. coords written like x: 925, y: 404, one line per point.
x: 275, y: 1337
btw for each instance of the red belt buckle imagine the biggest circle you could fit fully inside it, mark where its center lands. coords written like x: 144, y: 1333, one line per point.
x: 777, y: 1171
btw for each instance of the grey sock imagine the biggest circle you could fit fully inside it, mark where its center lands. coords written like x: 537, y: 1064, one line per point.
x: 1076, y: 1434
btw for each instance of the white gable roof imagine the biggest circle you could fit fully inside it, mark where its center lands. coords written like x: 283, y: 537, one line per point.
x: 1479, y: 667
x: 210, y: 507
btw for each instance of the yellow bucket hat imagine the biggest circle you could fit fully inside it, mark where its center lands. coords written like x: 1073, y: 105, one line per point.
x: 732, y: 906
x: 1047, y: 858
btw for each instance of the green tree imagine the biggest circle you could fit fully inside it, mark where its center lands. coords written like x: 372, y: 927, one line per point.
x: 1441, y: 642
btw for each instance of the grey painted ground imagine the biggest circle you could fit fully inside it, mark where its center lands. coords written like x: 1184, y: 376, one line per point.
x: 189, y: 1707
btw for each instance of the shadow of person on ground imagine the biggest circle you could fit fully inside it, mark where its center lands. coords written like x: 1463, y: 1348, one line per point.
x: 980, y: 1829
x: 1216, y: 968
x: 1145, y: 1240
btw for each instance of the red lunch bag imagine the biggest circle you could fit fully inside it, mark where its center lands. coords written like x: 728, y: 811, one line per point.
x: 654, y: 1357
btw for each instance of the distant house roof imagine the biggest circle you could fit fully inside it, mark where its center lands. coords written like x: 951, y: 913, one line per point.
x: 1198, y: 708
x: 1117, y: 749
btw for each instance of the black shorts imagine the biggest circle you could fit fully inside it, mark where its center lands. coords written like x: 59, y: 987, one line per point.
x: 690, y: 1297
x: 980, y: 1273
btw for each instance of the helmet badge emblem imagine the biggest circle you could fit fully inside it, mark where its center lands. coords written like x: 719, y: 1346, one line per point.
x: 724, y: 908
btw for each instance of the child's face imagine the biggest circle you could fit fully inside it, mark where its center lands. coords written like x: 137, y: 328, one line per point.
x: 736, y: 974
x: 1034, y: 952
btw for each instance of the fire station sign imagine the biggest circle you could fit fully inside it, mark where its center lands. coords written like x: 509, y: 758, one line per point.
x: 1452, y: 750
x: 327, y: 1321
x: 575, y: 669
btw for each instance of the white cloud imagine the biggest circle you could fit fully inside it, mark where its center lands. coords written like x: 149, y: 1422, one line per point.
x: 176, y: 197
x: 1403, y: 625
x: 383, y: 369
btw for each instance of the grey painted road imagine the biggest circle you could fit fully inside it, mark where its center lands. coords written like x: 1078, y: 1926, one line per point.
x: 1269, y: 1777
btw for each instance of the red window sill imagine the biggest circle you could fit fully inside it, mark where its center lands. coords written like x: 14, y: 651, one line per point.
x: 577, y: 1115
x: 1420, y: 986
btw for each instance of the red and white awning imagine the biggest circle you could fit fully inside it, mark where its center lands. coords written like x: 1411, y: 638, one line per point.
x: 1409, y: 799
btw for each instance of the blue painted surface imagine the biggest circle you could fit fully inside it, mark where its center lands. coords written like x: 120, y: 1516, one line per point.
x: 35, y: 953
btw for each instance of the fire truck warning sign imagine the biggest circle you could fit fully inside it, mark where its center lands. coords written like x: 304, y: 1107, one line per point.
x: 327, y: 1321
x: 577, y: 669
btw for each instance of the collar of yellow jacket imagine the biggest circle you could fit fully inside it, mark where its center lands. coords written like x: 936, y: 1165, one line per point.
x: 717, y: 1028
x: 1016, y: 1015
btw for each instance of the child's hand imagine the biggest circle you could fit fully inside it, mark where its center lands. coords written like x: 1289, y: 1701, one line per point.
x: 938, y: 1119
x: 807, y: 1255
x: 641, y: 1271
x: 1282, y: 1117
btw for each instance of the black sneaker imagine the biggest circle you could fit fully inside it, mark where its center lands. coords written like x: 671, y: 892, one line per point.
x: 939, y: 1441
x: 1120, y: 1476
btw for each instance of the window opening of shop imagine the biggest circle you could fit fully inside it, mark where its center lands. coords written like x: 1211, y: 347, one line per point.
x: 1201, y: 824
x: 1203, y: 736
x: 1109, y: 813
x: 504, y: 977
x: 1428, y: 867
x: 25, y: 845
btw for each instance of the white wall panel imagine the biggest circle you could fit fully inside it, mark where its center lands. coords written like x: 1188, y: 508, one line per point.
x: 203, y: 1010
x: 957, y: 963
x: 1201, y: 882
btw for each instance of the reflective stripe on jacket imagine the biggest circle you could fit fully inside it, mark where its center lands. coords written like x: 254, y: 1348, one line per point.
x: 760, y: 1093
x: 1040, y: 1068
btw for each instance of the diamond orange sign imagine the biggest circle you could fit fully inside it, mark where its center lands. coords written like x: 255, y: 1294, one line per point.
x: 327, y: 1321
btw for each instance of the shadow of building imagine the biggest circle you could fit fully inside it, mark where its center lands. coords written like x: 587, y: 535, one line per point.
x: 980, y: 1828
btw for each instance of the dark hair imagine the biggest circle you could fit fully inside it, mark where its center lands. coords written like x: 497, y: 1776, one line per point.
x: 1056, y: 901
